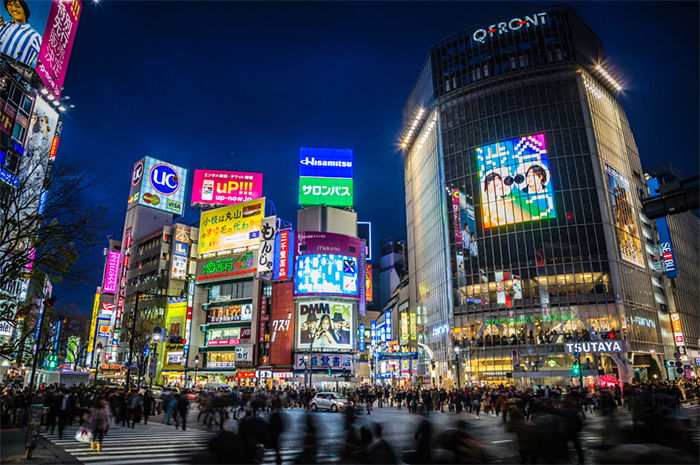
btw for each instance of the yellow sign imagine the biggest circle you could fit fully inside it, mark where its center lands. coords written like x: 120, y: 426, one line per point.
x: 231, y: 226
x: 93, y: 322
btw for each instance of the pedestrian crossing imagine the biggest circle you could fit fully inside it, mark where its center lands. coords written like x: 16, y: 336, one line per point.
x: 154, y: 444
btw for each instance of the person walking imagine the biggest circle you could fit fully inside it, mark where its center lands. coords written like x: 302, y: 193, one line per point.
x: 99, y: 424
x: 182, y: 406
x: 64, y: 411
x: 148, y: 404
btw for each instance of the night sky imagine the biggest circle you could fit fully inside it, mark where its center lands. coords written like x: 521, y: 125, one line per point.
x: 241, y: 86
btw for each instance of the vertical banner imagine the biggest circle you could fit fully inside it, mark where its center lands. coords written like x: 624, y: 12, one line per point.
x: 284, y: 256
x: 362, y: 305
x: 361, y: 337
x: 93, y: 322
x: 387, y: 326
x: 181, y: 252
x: 373, y: 333
x: 268, y: 231
x: 369, y: 284
x: 456, y: 221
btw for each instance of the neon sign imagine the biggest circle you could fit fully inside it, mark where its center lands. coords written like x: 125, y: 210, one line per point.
x: 503, y: 27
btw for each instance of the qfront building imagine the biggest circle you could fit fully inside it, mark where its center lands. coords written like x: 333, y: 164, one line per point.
x: 523, y: 185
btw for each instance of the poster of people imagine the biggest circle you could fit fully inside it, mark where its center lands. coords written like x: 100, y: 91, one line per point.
x: 22, y: 25
x: 515, y: 181
x: 325, y: 324
x: 626, y: 230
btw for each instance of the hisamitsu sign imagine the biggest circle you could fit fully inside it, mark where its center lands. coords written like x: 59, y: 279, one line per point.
x: 593, y: 347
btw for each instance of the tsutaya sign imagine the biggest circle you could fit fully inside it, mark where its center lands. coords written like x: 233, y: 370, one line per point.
x: 595, y: 347
x: 483, y: 34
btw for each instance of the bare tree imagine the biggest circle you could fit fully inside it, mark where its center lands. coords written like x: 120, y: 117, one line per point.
x: 45, y: 220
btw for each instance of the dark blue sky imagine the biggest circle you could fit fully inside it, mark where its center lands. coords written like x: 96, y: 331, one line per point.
x: 241, y: 86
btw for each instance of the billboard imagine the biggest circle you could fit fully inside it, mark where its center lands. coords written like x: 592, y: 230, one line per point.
x: 323, y: 242
x: 369, y: 294
x: 326, y: 274
x: 326, y: 177
x: 158, y: 185
x: 109, y: 285
x: 328, y: 324
x: 40, y: 132
x: 284, y: 254
x: 336, y: 192
x: 667, y: 256
x: 515, y: 181
x: 623, y: 215
x: 266, y: 254
x: 240, y: 263
x: 282, y: 324
x: 226, y: 313
x: 231, y: 226
x: 211, y: 187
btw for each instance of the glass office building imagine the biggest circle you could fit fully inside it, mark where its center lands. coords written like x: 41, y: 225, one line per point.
x: 523, y: 186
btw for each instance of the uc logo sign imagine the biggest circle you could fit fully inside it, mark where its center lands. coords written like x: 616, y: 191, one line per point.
x: 164, y: 179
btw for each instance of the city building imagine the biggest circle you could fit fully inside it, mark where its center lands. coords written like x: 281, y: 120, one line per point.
x: 392, y: 267
x: 679, y: 260
x: 523, y: 186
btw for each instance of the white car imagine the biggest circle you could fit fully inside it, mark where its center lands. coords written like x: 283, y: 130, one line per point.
x: 328, y: 401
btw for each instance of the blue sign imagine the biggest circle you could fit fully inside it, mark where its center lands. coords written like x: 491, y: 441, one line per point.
x: 164, y: 179
x: 373, y: 332
x: 389, y: 328
x: 667, y: 256
x: 361, y: 337
x: 325, y: 163
x: 326, y: 274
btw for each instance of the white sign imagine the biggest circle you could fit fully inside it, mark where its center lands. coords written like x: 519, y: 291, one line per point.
x: 481, y: 35
x: 595, y: 347
x: 244, y: 354
x: 266, y: 256
x: 5, y: 328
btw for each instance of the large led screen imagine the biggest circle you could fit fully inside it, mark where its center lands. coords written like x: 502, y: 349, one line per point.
x: 326, y: 274
x: 626, y: 231
x: 328, y: 324
x: 515, y: 181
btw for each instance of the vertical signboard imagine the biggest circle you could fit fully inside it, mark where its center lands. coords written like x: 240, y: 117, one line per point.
x: 109, y: 285
x: 282, y: 323
x: 455, y: 218
x: 211, y: 187
x: 268, y: 231
x: 369, y: 283
x: 181, y: 252
x: 284, y: 254
x: 667, y: 256
x: 57, y: 43
x: 362, y: 281
x: 361, y: 337
x: 93, y: 323
x: 623, y: 215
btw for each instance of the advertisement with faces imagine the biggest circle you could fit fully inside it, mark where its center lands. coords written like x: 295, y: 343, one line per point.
x: 325, y: 325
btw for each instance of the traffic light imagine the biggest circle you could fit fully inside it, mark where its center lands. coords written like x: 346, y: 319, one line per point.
x: 329, y: 372
x: 576, y: 369
x: 52, y: 362
x: 50, y: 301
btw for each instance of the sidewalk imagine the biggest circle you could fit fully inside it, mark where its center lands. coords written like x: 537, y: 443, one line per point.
x: 12, y: 440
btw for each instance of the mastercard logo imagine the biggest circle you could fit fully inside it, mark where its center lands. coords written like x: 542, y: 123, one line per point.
x: 151, y: 198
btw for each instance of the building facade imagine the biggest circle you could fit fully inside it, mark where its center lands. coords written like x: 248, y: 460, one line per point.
x: 523, y: 186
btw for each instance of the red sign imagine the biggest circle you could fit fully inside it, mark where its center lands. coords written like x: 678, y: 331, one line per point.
x: 107, y: 307
x: 245, y: 333
x: 54, y: 148
x: 245, y: 374
x: 284, y: 254
x: 282, y: 323
x: 224, y: 342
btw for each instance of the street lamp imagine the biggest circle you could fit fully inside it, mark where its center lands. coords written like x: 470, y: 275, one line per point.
x: 98, y: 352
x: 196, y: 365
x: 157, y: 336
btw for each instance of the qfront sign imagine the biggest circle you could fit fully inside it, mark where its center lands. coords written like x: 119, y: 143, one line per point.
x: 593, y: 347
x: 483, y: 34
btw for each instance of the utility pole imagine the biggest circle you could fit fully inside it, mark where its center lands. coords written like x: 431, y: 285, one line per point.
x: 131, y: 340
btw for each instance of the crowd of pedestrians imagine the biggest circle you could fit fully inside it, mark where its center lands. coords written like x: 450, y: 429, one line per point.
x: 545, y: 421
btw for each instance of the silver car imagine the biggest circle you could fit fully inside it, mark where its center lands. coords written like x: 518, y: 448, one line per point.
x: 328, y: 401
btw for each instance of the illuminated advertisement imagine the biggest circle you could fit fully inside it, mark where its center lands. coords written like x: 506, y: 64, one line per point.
x: 325, y: 177
x: 34, y: 163
x: 324, y: 361
x: 361, y: 335
x: 667, y: 256
x: 515, y: 181
x: 93, y: 324
x: 325, y: 162
x: 509, y: 288
x: 326, y: 274
x: 175, y: 325
x: 10, y: 154
x: 181, y: 252
x: 223, y: 314
x: 109, y: 285
x: 57, y: 43
x: 284, y: 256
x: 40, y: 34
x: 282, y: 324
x: 413, y: 327
x: 677, y: 329
x: 624, y: 220
x: 330, y: 243
x: 231, y: 226
x: 103, y: 327
x: 369, y: 295
x: 237, y: 264
x: 466, y: 224
x: 266, y: 253
x: 326, y: 191
x: 325, y: 325
x: 158, y: 185
x: 211, y: 187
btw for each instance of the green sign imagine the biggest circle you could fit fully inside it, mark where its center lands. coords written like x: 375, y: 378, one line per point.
x: 237, y: 264
x: 530, y: 319
x: 325, y: 191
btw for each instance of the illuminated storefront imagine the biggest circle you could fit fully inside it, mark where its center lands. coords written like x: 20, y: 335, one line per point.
x: 523, y: 219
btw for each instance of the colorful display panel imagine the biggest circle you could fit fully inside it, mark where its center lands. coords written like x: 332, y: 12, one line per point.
x: 311, y: 242
x: 284, y: 254
x: 232, y: 226
x: 282, y: 323
x: 326, y: 274
x: 667, y: 256
x: 369, y: 294
x: 515, y: 181
x: 158, y: 185
x: 211, y: 187
x: 326, y: 324
x: 624, y: 220
x: 325, y: 191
